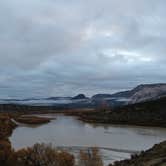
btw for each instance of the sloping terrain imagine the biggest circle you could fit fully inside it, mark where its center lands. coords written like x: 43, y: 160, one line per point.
x: 148, y: 92
x: 152, y: 113
x: 156, y: 156
x: 141, y: 93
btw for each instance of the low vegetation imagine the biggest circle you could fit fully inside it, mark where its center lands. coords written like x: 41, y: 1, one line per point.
x: 32, y: 120
x: 6, y: 125
x: 90, y: 157
x: 150, y: 113
x: 46, y: 155
x: 6, y: 128
x: 40, y: 155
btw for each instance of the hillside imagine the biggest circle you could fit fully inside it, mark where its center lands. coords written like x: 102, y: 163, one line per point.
x: 148, y: 92
x: 152, y: 113
x: 155, y: 156
x: 141, y: 93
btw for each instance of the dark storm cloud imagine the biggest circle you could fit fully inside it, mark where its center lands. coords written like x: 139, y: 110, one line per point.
x: 53, y: 47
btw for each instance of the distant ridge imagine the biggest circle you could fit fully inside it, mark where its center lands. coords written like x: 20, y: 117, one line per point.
x: 147, y: 92
x: 141, y: 93
x: 79, y: 96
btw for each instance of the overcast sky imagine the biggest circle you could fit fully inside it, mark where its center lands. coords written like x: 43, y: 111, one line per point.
x: 66, y: 47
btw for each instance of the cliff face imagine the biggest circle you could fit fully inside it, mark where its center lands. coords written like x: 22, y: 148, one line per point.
x: 148, y: 92
x: 156, y: 156
x: 141, y: 93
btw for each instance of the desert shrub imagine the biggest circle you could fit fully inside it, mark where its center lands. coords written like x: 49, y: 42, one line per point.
x: 5, y: 151
x: 6, y: 126
x: 103, y: 106
x: 90, y: 157
x: 41, y: 155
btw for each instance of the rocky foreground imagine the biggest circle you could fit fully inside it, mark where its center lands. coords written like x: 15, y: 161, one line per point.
x: 156, y: 156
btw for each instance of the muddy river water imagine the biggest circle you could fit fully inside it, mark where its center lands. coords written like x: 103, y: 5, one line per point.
x: 116, y: 142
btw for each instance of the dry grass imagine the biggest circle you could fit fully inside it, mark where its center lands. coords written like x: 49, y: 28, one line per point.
x: 32, y: 120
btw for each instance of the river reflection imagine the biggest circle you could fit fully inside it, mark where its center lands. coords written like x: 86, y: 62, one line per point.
x: 115, y: 141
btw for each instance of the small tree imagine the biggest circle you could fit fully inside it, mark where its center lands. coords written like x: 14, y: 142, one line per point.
x: 103, y: 106
x: 41, y: 155
x: 90, y: 157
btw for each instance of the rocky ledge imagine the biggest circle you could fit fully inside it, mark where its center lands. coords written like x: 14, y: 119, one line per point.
x: 156, y: 156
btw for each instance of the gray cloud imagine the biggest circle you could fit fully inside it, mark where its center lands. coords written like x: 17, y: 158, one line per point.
x: 54, y: 47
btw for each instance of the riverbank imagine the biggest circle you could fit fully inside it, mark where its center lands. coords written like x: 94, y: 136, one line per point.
x: 32, y: 120
x: 156, y: 156
x: 150, y: 113
x: 6, y: 129
x: 6, y: 125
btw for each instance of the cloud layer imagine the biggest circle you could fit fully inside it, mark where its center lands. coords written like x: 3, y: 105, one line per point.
x: 60, y: 47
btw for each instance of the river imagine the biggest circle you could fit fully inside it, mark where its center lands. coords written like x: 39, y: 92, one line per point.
x: 116, y: 142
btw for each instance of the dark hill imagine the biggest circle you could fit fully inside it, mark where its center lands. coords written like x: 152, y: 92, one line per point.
x: 79, y: 97
x: 152, y: 113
